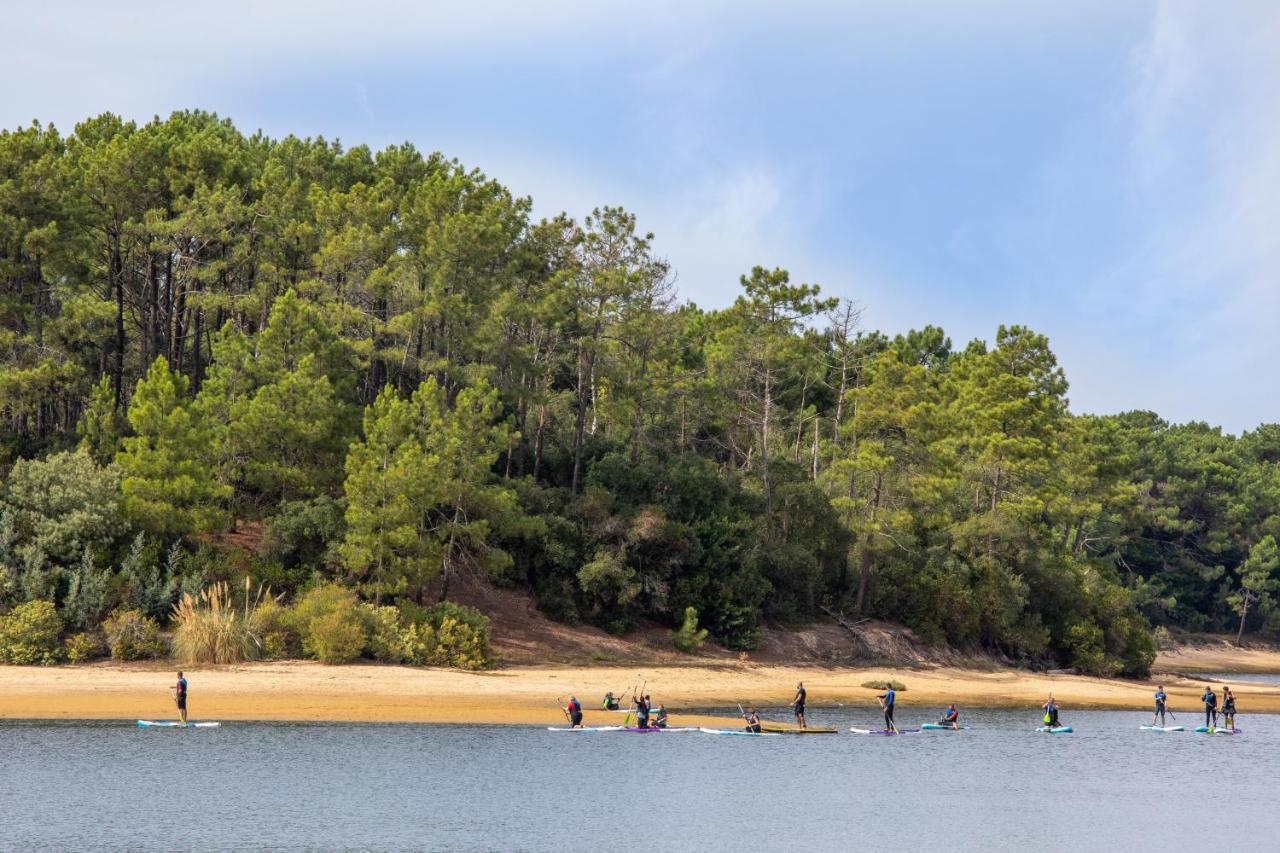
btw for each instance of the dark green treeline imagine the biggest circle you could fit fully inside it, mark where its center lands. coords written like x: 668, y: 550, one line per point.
x: 382, y: 361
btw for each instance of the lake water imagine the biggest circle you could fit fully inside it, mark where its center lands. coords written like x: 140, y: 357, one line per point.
x: 999, y: 786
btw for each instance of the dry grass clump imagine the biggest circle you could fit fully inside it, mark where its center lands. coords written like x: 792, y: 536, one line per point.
x: 210, y: 628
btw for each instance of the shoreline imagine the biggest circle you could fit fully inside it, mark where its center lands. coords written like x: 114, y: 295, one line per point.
x: 306, y: 691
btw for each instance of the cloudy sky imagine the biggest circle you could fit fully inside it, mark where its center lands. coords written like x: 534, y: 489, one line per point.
x: 1107, y: 173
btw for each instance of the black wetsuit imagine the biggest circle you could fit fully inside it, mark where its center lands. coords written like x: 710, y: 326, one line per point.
x: 1210, y: 700
x: 642, y: 714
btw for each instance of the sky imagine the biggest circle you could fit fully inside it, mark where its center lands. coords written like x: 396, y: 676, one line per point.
x: 1105, y: 173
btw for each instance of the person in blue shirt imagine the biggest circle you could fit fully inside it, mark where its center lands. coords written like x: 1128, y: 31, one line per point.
x: 1161, y: 698
x: 179, y: 691
x: 886, y: 701
x: 951, y: 718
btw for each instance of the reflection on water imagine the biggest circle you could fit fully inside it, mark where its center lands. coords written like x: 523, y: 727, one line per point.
x: 998, y: 786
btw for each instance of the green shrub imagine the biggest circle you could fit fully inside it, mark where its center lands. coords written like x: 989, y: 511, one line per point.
x: 386, y: 636
x: 131, y: 635
x: 337, y: 637
x: 83, y: 647
x: 276, y: 626
x: 460, y: 645
x: 29, y: 635
x: 689, y: 638
x: 882, y: 684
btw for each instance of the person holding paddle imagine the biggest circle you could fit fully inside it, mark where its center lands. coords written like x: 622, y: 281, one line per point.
x: 951, y: 719
x: 1161, y: 699
x: 573, y: 712
x: 179, y: 693
x: 1228, y: 709
x: 610, y: 703
x: 798, y: 704
x: 886, y: 702
x: 1051, y: 714
x: 753, y: 720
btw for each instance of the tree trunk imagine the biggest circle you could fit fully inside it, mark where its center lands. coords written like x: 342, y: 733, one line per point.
x: 1244, y: 612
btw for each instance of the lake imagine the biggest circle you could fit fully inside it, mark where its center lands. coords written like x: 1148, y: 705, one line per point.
x: 999, y: 786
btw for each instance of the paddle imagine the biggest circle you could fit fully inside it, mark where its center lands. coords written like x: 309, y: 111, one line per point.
x: 564, y: 710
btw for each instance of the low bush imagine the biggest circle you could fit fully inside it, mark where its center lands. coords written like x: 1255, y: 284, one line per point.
x: 131, y: 635
x: 336, y: 637
x: 881, y: 684
x: 83, y: 647
x: 29, y: 635
x: 277, y: 629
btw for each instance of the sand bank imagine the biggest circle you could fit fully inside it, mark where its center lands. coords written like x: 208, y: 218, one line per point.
x: 300, y: 690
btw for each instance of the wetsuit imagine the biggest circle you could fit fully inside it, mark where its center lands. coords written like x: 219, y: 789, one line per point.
x: 1229, y: 711
x: 610, y: 704
x: 180, y: 693
x: 1210, y: 700
x: 642, y: 714
x: 888, y: 697
x: 1051, y: 716
x: 1160, y: 700
x: 575, y: 713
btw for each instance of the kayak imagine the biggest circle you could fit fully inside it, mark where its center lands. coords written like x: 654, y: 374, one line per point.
x: 1058, y: 730
x: 1161, y: 728
x: 889, y: 732
x: 1217, y: 731
x: 738, y: 732
x: 174, y: 724
x: 585, y: 729
x: 938, y: 727
x: 812, y: 730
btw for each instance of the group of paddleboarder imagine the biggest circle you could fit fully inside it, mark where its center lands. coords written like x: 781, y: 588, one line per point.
x: 1211, y: 708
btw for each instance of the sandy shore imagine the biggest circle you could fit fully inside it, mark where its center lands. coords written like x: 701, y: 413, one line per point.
x: 299, y: 690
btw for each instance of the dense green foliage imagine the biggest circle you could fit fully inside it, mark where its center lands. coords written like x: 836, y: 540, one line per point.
x: 382, y: 363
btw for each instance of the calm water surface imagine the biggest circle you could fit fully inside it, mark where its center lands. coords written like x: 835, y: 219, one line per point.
x: 999, y: 786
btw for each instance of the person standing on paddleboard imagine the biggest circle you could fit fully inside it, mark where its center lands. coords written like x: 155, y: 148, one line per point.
x: 1228, y: 709
x: 179, y: 691
x: 1210, y: 700
x: 1161, y: 699
x: 574, y: 712
x: 642, y: 712
x: 798, y: 704
x: 886, y: 701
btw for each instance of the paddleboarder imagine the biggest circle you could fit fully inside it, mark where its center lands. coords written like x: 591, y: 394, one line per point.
x: 1210, y: 700
x: 179, y: 692
x: 1051, y: 714
x: 951, y: 718
x: 1228, y: 709
x: 753, y: 721
x: 610, y: 703
x: 642, y: 712
x: 574, y: 712
x: 798, y: 704
x: 886, y: 701
x: 660, y: 719
x: 1161, y: 699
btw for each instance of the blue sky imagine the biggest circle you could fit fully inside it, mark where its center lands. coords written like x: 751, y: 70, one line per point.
x: 1107, y: 173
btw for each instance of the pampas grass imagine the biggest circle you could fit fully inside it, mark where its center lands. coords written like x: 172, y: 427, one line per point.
x: 211, y: 629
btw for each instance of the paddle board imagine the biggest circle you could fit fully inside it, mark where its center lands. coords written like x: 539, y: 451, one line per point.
x: 650, y: 729
x: 585, y: 729
x: 1060, y: 730
x: 174, y: 724
x: 1217, y: 731
x: 938, y: 727
x: 1161, y: 728
x: 812, y: 730
x: 889, y: 732
x: 738, y: 733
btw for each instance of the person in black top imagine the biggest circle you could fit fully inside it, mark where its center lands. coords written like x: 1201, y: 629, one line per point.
x: 1228, y: 709
x: 660, y: 720
x: 642, y: 712
x: 753, y: 721
x: 610, y: 703
x: 798, y: 704
x: 179, y: 692
x: 1210, y: 700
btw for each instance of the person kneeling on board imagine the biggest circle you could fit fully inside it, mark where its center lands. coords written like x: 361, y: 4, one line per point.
x: 1161, y: 699
x: 574, y: 712
x: 951, y: 718
x: 610, y: 702
x: 660, y: 718
x: 1210, y: 700
x: 1051, y: 714
x: 753, y: 721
